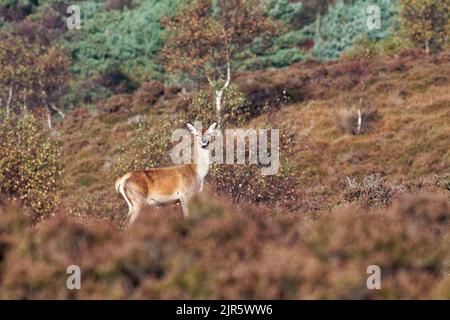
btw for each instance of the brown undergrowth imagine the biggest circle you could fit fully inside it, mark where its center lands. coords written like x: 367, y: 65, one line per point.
x: 342, y: 200
x: 224, y: 252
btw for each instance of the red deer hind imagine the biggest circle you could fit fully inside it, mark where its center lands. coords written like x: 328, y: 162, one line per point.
x: 161, y: 185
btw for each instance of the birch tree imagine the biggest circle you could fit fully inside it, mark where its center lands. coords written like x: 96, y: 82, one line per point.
x: 32, y: 76
x: 205, y: 37
x: 426, y: 22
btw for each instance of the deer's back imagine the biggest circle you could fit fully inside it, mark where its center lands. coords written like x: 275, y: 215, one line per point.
x: 164, y: 181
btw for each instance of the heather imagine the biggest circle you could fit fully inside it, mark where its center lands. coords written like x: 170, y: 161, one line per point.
x: 364, y: 175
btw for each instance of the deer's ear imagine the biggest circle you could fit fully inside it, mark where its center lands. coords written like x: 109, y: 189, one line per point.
x: 191, y: 128
x: 212, y: 127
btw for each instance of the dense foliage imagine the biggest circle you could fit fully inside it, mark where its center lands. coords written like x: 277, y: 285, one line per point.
x: 120, y: 42
x: 32, y: 75
x: 426, y: 23
x: 206, y: 36
x: 243, y: 254
x: 363, y: 175
x: 344, y: 24
x: 127, y: 40
x: 30, y: 165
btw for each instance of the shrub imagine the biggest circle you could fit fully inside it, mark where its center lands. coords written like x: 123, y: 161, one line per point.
x: 30, y: 167
x: 444, y: 182
x: 100, y: 86
x: 263, y: 93
x: 371, y: 191
x: 368, y: 48
x: 246, y: 184
x: 363, y: 48
x: 86, y: 92
x: 426, y: 210
x: 394, y: 44
x: 116, y: 81
x: 148, y: 93
x: 243, y: 183
x: 237, y: 254
x: 99, y: 205
x: 117, y: 103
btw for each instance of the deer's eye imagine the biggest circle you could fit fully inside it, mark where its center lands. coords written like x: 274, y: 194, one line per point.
x: 205, y: 144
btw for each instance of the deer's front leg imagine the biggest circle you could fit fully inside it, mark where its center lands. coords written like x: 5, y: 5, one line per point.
x: 184, y: 206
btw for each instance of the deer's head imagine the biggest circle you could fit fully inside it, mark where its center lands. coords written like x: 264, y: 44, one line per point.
x: 203, y: 137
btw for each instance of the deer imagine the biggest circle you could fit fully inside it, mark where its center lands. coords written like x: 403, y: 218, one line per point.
x: 158, y: 186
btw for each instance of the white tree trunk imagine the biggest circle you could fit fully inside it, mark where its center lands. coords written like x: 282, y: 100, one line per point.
x: 63, y: 116
x: 219, y: 95
x: 8, y: 103
x: 49, y: 118
x: 358, y: 129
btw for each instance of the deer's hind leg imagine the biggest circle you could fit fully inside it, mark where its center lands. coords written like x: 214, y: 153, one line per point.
x: 133, y: 214
x: 135, y: 200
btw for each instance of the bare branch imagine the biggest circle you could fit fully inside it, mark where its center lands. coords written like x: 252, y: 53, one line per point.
x: 49, y: 118
x: 58, y: 111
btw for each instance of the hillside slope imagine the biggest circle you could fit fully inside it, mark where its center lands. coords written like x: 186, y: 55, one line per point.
x: 405, y: 103
x: 310, y: 232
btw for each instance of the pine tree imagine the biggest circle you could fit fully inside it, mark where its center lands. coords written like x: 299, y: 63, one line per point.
x: 282, y: 50
x: 127, y: 40
x: 345, y: 24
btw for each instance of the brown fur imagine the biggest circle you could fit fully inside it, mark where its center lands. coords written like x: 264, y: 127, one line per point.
x: 163, y: 181
x: 161, y: 185
x: 154, y: 186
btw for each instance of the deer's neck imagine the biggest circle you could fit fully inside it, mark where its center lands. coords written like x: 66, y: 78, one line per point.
x: 202, y: 161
